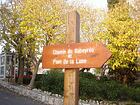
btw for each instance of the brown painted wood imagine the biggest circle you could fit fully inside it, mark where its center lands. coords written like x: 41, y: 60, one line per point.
x: 93, y: 54
x: 71, y: 76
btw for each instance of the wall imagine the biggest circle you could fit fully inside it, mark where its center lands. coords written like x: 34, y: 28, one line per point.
x: 51, y: 99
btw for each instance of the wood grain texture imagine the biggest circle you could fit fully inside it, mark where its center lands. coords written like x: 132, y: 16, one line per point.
x: 71, y: 76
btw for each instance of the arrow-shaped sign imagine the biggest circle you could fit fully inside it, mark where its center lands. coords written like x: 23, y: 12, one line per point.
x: 75, y: 55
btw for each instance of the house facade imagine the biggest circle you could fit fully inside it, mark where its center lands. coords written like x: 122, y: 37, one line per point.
x: 5, y: 64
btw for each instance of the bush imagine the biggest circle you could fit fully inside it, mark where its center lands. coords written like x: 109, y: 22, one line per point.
x: 52, y: 81
x: 26, y: 81
x: 90, y: 87
x: 87, y: 75
x: 134, y: 94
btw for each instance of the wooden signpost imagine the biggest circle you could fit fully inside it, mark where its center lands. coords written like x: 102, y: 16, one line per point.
x: 72, y: 56
x: 71, y: 76
x: 75, y: 55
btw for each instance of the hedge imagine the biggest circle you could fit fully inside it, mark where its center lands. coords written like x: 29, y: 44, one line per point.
x: 90, y: 87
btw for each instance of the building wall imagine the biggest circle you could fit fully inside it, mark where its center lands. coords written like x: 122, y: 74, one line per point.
x: 5, y: 61
x: 2, y: 66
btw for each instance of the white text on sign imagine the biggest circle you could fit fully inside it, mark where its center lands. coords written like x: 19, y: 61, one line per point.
x: 69, y: 53
x: 76, y: 51
x: 69, y: 61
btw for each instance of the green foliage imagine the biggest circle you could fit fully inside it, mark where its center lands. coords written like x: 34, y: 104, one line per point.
x: 86, y: 75
x: 90, y: 87
x: 134, y: 94
x: 26, y: 80
x: 52, y: 81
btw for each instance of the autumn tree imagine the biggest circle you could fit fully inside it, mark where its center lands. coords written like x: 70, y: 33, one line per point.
x: 111, y: 3
x: 90, y: 18
x: 10, y: 32
x: 121, y: 34
x: 28, y: 25
x: 42, y: 24
x: 136, y: 8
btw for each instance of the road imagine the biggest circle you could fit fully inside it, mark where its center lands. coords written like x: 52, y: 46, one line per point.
x: 9, y: 98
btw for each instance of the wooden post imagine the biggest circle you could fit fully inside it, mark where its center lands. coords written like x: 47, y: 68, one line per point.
x: 71, y: 76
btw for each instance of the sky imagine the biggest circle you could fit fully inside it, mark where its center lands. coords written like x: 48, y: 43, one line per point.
x: 2, y: 0
x: 101, y: 4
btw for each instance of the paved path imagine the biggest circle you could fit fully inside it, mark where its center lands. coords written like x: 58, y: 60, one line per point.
x: 9, y: 98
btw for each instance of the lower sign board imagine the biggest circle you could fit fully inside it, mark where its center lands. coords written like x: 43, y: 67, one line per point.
x: 75, y: 55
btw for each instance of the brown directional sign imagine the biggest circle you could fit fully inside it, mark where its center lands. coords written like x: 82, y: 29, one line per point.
x: 75, y: 55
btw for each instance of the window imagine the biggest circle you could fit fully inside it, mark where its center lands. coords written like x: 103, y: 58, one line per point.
x: 8, y: 60
x: 2, y: 60
x: 1, y: 76
x: 2, y: 71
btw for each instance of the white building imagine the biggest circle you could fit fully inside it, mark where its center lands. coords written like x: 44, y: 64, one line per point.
x: 5, y: 61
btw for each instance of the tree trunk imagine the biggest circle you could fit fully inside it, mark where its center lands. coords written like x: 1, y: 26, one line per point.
x: 31, y: 85
x: 125, y: 79
x: 20, y: 68
x: 12, y: 79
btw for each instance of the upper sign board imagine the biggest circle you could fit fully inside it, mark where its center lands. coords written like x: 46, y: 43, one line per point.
x: 75, y: 55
